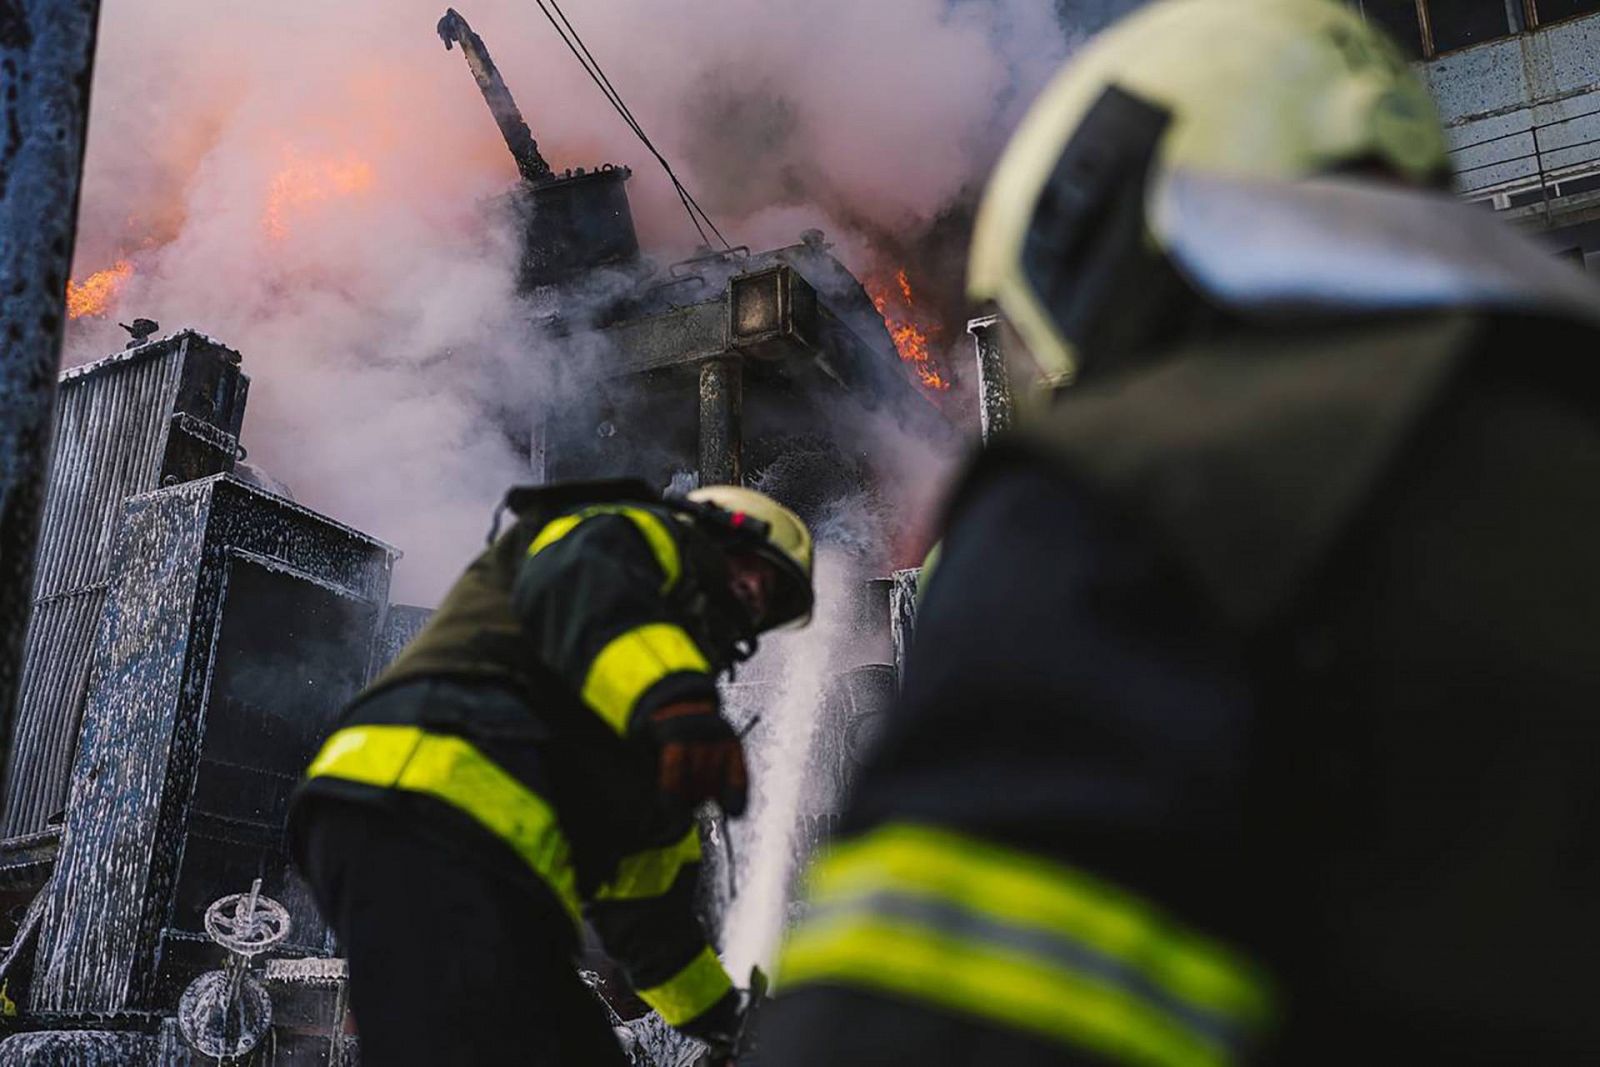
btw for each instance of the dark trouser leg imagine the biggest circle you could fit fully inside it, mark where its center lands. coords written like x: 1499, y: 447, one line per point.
x: 449, y: 965
x: 848, y: 1028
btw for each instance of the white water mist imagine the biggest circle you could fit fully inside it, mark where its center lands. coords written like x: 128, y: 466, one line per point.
x: 780, y: 753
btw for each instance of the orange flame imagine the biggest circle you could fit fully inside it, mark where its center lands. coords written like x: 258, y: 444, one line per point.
x: 94, y: 295
x: 302, y: 182
x: 911, y: 337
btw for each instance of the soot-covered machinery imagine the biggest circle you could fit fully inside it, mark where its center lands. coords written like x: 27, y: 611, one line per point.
x: 194, y: 636
x: 196, y: 632
x: 724, y: 367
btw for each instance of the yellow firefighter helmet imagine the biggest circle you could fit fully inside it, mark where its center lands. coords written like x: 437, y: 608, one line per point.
x: 777, y: 535
x: 1255, y: 89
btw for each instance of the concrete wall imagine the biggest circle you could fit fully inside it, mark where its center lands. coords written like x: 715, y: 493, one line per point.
x: 1501, y: 89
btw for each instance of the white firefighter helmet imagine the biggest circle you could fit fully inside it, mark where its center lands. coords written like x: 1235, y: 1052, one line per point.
x: 1252, y: 89
x: 777, y: 535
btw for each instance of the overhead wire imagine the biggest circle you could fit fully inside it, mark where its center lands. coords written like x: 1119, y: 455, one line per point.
x: 586, y: 59
x: 551, y: 9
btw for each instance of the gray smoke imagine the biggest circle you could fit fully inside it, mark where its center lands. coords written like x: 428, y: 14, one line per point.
x: 315, y: 185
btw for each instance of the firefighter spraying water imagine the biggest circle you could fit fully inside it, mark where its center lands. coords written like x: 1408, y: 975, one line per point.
x: 536, y: 755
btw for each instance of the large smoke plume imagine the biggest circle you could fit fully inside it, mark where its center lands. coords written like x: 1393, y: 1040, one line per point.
x: 313, y: 184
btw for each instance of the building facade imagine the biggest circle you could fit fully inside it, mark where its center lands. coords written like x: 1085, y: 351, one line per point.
x: 1517, y: 84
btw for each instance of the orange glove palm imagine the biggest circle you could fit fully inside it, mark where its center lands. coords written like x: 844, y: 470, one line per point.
x: 700, y: 756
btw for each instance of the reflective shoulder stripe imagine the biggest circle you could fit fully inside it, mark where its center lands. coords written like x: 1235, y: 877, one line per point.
x: 452, y: 770
x: 650, y: 526
x: 652, y: 872
x: 634, y: 661
x: 372, y: 755
x: 691, y: 991
x: 931, y: 915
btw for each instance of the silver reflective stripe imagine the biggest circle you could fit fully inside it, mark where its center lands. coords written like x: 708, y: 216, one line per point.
x: 960, y: 924
x: 1342, y: 244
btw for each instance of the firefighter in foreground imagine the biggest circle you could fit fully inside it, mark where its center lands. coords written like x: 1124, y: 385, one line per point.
x: 535, y: 756
x: 1253, y: 710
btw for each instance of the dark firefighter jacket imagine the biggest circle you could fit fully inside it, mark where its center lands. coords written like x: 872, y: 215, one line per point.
x: 1253, y: 716
x: 511, y: 725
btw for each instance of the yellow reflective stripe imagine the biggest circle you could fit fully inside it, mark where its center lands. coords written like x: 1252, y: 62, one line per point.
x: 1027, y: 891
x: 940, y: 917
x: 691, y: 991
x: 372, y: 755
x: 1006, y: 987
x: 651, y: 873
x: 633, y: 662
x: 452, y: 770
x: 555, y: 530
x: 649, y: 525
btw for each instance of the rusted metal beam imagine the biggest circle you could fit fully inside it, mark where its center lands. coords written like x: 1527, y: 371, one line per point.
x: 721, y: 420
x: 46, y: 58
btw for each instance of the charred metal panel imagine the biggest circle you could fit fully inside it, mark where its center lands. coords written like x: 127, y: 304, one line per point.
x: 903, y: 615
x: 83, y: 1048
x: 644, y: 428
x: 401, y: 623
x: 291, y: 651
x: 855, y: 705
x: 109, y: 845
x: 578, y: 222
x: 674, y: 338
x: 870, y: 622
x: 168, y: 410
x: 237, y: 624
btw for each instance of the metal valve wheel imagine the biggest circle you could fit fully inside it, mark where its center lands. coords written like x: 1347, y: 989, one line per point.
x: 247, y: 923
x: 224, y: 1015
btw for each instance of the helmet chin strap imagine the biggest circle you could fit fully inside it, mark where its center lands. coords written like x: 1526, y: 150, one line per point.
x: 745, y: 647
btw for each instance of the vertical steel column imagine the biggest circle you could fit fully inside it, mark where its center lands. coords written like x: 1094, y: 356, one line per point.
x: 994, y: 385
x: 46, y: 56
x: 721, y: 420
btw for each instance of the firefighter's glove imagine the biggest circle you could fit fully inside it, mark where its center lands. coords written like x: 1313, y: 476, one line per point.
x: 700, y: 756
x: 718, y: 1028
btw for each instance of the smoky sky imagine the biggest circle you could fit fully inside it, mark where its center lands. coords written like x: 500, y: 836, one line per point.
x: 1089, y: 16
x: 317, y: 185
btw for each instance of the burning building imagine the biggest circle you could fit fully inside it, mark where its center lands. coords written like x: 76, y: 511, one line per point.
x: 196, y: 632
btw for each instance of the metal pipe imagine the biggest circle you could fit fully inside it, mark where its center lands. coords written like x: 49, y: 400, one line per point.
x: 721, y: 419
x: 46, y: 57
